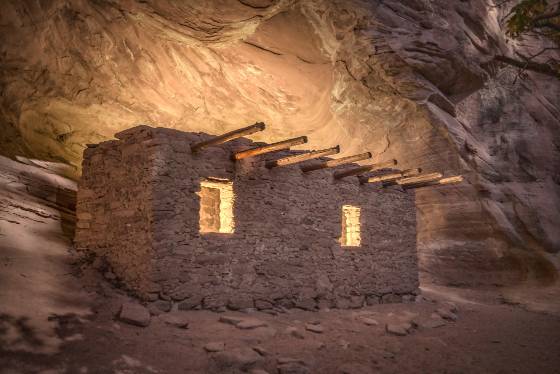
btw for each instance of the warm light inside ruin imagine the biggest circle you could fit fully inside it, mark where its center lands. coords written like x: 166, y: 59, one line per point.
x: 350, y: 226
x: 216, y: 206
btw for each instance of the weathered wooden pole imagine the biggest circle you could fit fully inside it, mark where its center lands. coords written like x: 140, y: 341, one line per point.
x: 364, y: 169
x: 419, y: 178
x: 302, y: 157
x: 259, y: 126
x: 286, y: 144
x: 438, y: 182
x: 337, y: 162
x: 391, y: 176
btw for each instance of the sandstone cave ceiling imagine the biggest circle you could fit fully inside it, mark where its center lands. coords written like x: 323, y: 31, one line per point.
x: 410, y: 80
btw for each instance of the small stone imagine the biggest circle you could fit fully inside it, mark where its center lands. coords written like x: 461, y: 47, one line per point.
x: 407, y: 299
x: 446, y: 314
x: 240, y: 303
x: 215, y: 347
x: 236, y: 359
x: 180, y: 293
x: 356, y: 302
x: 260, y: 350
x: 272, y: 312
x: 387, y: 354
x: 158, y: 307
x: 306, y: 304
x: 231, y: 320
x: 289, y: 360
x: 190, y: 303
x: 175, y: 320
x: 295, y: 332
x: 354, y: 368
x: 372, y: 300
x: 451, y: 306
x: 391, y: 299
x: 293, y: 368
x: 134, y: 314
x: 369, y: 321
x: 258, y: 371
x: 263, y: 304
x: 250, y: 323
x: 151, y: 297
x: 318, y: 329
x: 153, y: 287
x: 400, y: 329
x: 408, y: 317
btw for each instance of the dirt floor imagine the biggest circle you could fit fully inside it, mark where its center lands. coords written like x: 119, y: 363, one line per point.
x: 488, y: 337
x: 58, y: 315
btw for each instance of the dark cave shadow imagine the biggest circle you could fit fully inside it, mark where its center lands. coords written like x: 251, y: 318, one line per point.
x: 20, y: 361
x: 26, y: 334
x: 66, y: 201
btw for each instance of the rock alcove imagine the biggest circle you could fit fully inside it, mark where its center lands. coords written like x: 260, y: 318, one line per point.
x: 409, y: 80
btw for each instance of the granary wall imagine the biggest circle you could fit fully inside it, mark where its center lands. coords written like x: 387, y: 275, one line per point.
x: 285, y: 246
x: 114, y: 207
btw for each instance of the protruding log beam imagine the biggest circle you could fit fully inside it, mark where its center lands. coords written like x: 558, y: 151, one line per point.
x: 259, y: 126
x: 419, y: 179
x: 286, y: 144
x: 364, y: 169
x: 439, y: 182
x: 391, y: 176
x: 337, y: 162
x: 302, y: 157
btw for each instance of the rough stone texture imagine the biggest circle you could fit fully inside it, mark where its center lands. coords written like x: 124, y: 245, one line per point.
x: 134, y: 314
x: 242, y: 359
x: 140, y: 210
x: 115, y: 215
x: 400, y: 329
x: 412, y: 79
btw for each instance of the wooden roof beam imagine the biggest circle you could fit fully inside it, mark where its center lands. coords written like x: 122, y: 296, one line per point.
x: 259, y: 126
x: 336, y: 162
x: 391, y: 176
x: 364, y: 169
x: 302, y: 157
x: 285, y: 144
x: 438, y: 182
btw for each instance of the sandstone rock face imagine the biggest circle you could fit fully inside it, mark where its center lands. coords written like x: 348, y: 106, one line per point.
x: 412, y: 80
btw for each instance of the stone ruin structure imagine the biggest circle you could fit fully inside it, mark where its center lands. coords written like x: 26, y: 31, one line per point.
x: 210, y: 232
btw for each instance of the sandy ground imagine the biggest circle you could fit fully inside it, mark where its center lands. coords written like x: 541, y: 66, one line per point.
x: 58, y: 315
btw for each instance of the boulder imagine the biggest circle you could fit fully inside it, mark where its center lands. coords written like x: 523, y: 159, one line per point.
x: 215, y: 347
x: 241, y: 358
x: 317, y: 329
x: 447, y: 314
x: 400, y: 329
x: 134, y: 314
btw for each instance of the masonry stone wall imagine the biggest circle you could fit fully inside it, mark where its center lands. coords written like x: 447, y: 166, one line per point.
x: 114, y: 209
x: 285, y: 248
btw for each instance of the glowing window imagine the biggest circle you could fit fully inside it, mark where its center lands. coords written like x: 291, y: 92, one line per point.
x: 216, y: 206
x: 350, y: 226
